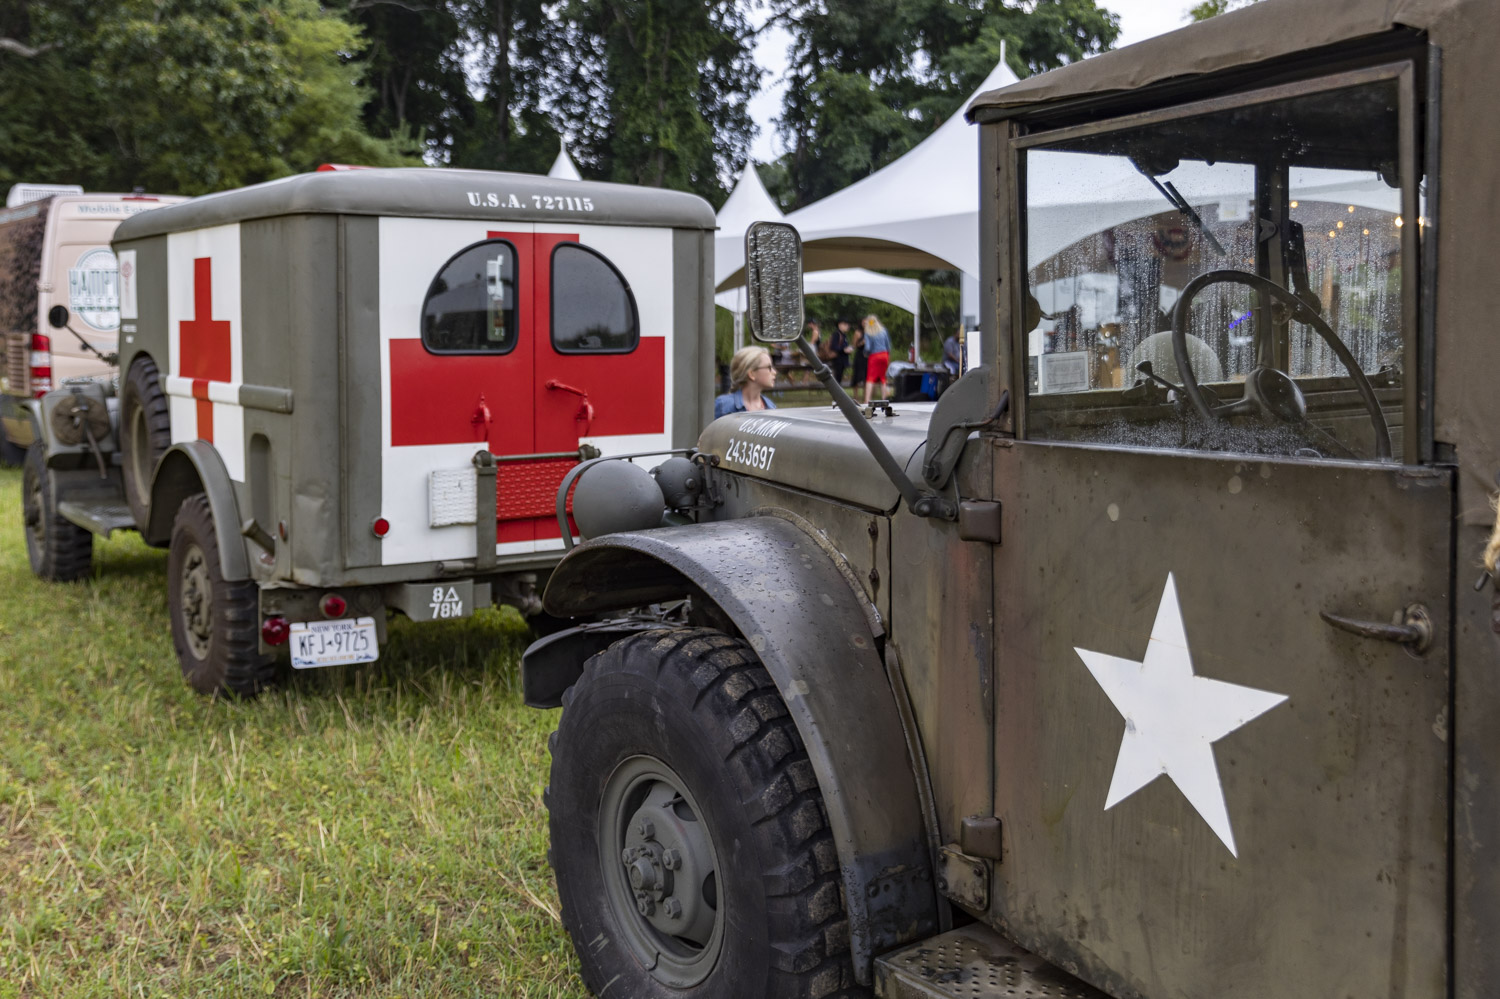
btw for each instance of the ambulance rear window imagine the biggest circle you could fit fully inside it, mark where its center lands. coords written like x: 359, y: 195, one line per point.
x: 593, y: 311
x: 471, y: 305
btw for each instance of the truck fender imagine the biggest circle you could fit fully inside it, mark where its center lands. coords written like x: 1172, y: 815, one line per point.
x: 192, y: 467
x: 790, y: 600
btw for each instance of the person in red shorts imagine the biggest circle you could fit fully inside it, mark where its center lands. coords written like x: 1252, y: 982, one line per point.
x: 878, y: 346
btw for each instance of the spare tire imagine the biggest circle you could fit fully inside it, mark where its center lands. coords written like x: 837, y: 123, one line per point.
x: 145, y: 432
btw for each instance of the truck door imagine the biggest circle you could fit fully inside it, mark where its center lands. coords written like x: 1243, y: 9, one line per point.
x: 1222, y: 653
x: 523, y: 342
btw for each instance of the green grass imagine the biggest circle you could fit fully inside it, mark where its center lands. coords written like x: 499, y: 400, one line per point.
x: 370, y: 831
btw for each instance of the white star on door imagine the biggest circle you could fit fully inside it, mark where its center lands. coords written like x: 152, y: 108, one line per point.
x: 1173, y: 718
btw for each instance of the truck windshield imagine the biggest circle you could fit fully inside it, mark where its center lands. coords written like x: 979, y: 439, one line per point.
x: 1270, y: 232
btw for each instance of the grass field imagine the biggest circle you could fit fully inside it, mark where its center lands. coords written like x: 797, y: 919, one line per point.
x: 372, y: 831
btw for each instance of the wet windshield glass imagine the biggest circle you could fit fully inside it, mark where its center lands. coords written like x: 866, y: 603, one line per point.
x: 1271, y: 233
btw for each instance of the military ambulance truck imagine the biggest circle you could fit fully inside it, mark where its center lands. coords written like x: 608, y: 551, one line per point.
x: 1158, y: 661
x: 347, y: 393
x: 54, y: 251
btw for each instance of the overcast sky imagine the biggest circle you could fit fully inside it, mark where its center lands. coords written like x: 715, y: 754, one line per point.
x: 1138, y: 19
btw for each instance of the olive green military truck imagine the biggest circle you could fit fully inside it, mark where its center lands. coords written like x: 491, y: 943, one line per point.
x: 1157, y: 661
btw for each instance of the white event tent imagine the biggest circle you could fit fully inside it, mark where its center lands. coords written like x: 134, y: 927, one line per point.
x: 563, y: 167
x: 750, y: 202
x: 920, y: 211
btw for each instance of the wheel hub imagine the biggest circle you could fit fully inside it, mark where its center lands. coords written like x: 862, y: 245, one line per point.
x: 197, y: 601
x: 667, y: 859
x: 663, y: 885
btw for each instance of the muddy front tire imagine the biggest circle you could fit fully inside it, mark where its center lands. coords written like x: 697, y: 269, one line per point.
x: 215, y: 622
x: 145, y: 433
x: 58, y: 549
x: 689, y: 842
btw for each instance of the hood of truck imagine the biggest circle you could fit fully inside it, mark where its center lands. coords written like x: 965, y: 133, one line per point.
x: 815, y: 449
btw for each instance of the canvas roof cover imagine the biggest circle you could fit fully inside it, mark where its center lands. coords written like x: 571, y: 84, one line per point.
x: 423, y: 192
x: 1254, y: 34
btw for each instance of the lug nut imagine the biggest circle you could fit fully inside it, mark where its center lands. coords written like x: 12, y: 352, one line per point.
x: 646, y: 828
x: 671, y: 859
x: 645, y: 906
x: 626, y: 856
x: 672, y: 908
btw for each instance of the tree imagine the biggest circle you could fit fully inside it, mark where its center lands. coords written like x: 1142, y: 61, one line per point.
x: 193, y: 97
x: 652, y: 91
x: 1213, y: 8
x: 872, y: 78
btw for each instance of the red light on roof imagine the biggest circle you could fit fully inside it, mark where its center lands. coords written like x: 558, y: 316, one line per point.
x: 380, y: 527
x: 343, y: 166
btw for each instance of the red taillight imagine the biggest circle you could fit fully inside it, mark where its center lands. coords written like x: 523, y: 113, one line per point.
x: 275, y: 631
x: 333, y: 605
x: 380, y: 527
x: 41, y: 364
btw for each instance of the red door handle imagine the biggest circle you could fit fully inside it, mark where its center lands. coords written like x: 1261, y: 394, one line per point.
x: 585, y: 408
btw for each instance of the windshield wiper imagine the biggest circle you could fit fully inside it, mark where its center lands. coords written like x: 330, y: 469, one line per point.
x: 1170, y: 192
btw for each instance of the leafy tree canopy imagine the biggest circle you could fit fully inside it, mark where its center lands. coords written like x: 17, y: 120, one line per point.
x: 871, y: 78
x: 185, y: 98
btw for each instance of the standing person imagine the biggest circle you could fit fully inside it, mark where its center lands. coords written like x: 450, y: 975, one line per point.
x: 751, y: 375
x: 836, y: 350
x: 953, y: 354
x: 815, y: 335
x: 859, y: 358
x: 878, y: 347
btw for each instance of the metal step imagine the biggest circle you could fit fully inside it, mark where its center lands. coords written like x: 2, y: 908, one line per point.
x: 973, y: 962
x: 101, y: 518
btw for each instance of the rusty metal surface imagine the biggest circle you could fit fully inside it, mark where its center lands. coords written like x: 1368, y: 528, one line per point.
x: 964, y: 879
x: 1476, y: 778
x: 811, y: 631
x: 973, y: 962
x: 1335, y: 798
x: 854, y: 538
x: 941, y: 605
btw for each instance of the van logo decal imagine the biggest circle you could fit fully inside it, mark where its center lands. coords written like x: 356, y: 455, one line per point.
x: 1173, y: 718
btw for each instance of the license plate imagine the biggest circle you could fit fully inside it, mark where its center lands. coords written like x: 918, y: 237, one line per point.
x: 333, y: 643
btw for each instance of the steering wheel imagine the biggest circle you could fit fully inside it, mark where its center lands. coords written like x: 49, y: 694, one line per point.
x: 1272, y: 392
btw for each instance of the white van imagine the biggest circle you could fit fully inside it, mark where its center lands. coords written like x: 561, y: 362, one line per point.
x: 55, y: 251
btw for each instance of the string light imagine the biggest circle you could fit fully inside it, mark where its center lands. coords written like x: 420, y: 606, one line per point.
x: 1367, y: 232
x: 1351, y: 208
x: 1330, y: 234
x: 1399, y: 222
x: 1341, y: 225
x: 1294, y: 204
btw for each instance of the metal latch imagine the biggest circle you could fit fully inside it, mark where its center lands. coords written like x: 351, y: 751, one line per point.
x: 1411, y: 627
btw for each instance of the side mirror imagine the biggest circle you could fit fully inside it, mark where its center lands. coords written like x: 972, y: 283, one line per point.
x: 57, y: 316
x: 773, y: 272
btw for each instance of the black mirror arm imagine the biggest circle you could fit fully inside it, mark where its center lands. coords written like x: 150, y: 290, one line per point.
x: 919, y: 502
x: 111, y: 358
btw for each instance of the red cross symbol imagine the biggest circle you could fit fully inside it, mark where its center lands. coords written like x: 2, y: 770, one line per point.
x: 203, y: 349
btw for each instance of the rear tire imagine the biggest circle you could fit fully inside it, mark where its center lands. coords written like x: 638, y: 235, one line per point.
x: 689, y: 841
x: 215, y: 623
x: 145, y: 433
x: 58, y: 549
x: 12, y: 455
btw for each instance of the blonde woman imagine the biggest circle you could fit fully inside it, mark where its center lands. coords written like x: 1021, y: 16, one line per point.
x: 751, y: 375
x: 878, y: 346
